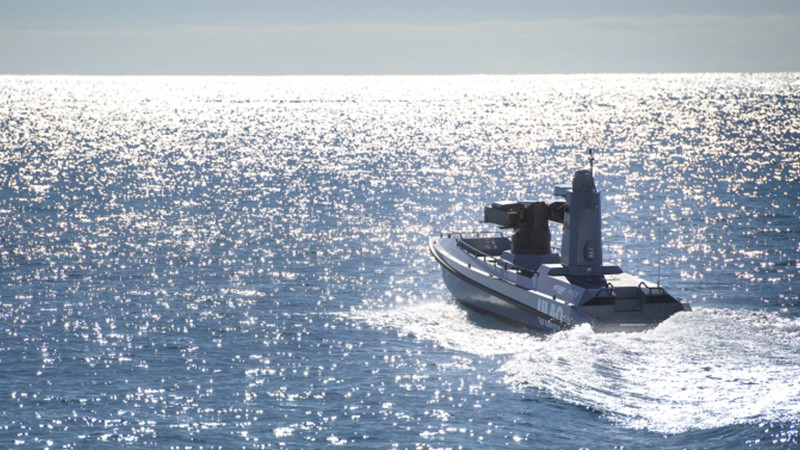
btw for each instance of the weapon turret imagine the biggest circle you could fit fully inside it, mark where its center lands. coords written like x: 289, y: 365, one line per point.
x: 581, y: 246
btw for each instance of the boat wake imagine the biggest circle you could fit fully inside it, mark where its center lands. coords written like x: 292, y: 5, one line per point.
x: 702, y: 370
x: 707, y: 369
x: 448, y: 325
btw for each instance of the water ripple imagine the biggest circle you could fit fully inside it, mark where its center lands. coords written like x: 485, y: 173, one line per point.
x: 224, y: 261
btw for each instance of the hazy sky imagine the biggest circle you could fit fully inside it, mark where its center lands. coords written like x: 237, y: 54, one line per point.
x: 242, y: 37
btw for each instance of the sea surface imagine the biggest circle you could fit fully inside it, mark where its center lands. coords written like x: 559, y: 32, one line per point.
x: 241, y: 262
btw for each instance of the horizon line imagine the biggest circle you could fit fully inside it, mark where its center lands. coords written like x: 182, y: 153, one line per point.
x: 432, y: 74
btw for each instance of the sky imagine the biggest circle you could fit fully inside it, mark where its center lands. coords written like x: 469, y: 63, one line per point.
x: 354, y: 37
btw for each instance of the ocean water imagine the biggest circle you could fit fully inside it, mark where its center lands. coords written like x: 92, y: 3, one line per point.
x: 191, y: 262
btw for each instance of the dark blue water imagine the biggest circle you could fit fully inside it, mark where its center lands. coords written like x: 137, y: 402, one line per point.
x: 242, y: 262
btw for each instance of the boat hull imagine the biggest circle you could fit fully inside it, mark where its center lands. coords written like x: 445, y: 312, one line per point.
x: 491, y: 295
x: 498, y: 305
x: 491, y: 288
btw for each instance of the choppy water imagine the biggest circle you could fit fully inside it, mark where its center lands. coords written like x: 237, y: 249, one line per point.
x: 241, y: 262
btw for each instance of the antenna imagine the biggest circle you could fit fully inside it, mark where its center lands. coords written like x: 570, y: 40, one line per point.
x: 591, y: 162
x: 658, y: 280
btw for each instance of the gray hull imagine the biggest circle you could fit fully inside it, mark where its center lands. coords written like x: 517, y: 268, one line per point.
x: 499, y: 306
x: 545, y: 300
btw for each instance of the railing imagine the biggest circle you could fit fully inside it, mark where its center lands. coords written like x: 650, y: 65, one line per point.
x: 609, y: 288
x: 487, y: 258
x: 477, y: 234
x: 659, y: 290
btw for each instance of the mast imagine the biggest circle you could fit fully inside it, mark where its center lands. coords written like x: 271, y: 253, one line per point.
x: 581, y: 240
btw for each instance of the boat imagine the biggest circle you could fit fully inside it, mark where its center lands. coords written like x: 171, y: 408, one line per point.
x: 521, y: 280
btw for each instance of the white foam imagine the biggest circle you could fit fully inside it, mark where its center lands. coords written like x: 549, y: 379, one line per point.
x: 447, y: 324
x: 699, y: 370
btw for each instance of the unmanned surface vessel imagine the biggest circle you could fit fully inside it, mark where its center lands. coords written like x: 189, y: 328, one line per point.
x: 521, y: 280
